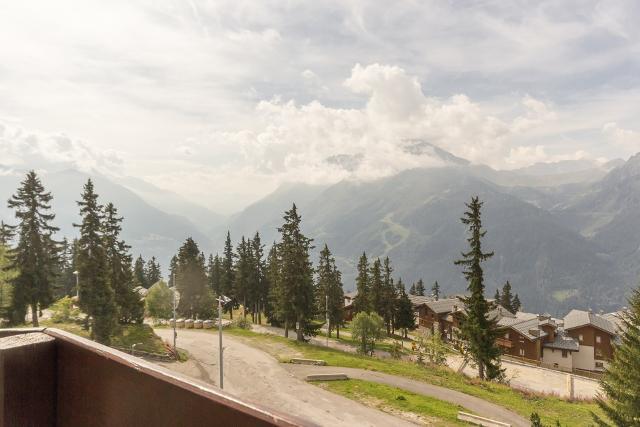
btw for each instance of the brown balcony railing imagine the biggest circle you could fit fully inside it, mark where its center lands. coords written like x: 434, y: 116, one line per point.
x: 52, y: 378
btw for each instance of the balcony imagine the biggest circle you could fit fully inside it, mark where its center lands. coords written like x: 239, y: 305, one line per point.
x: 49, y: 377
x: 503, y: 342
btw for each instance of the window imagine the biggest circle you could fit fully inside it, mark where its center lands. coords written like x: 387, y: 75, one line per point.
x: 598, y: 339
x: 564, y: 354
x: 522, y: 352
x: 506, y: 336
x: 598, y: 353
x: 580, y: 337
x: 599, y: 365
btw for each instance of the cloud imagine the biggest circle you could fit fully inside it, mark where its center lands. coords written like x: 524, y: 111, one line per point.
x: 629, y: 140
x: 22, y: 149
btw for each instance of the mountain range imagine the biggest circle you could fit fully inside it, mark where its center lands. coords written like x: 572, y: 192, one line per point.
x: 564, y: 234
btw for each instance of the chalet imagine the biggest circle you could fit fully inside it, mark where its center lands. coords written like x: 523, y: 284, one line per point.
x: 595, y: 336
x: 434, y: 313
x: 525, y: 334
x: 348, y: 305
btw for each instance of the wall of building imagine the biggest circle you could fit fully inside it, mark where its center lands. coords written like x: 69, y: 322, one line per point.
x: 522, y: 346
x: 553, y: 358
x: 592, y: 351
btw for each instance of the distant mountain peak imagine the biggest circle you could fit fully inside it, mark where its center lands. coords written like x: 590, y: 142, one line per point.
x: 421, y: 147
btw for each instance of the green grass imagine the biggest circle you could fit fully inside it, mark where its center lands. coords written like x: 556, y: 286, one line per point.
x: 394, y: 400
x: 550, y: 408
x: 125, y: 336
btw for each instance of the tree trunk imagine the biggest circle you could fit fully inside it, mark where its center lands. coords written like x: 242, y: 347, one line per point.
x: 244, y: 307
x: 481, y: 371
x: 286, y: 328
x: 34, y: 314
x: 329, y: 329
x: 231, y: 311
x: 338, y: 331
x: 259, y: 314
x: 300, y: 331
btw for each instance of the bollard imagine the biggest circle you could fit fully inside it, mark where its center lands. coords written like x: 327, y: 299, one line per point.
x: 570, y: 386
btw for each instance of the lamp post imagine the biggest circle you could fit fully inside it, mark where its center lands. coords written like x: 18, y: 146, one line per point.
x: 326, y: 307
x: 222, y: 300
x: 75, y: 273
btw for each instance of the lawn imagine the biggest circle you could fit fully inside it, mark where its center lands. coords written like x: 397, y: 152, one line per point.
x: 550, y: 408
x: 424, y: 409
x: 124, y: 338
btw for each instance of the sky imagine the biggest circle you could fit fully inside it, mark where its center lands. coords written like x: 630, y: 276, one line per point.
x: 223, y: 101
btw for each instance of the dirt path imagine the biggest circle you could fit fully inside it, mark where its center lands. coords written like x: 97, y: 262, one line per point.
x: 254, y: 375
x: 474, y: 404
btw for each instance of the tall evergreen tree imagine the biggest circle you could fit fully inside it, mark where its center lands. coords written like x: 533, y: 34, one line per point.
x: 376, y: 287
x: 435, y: 290
x: 389, y: 295
x: 6, y: 289
x: 227, y: 281
x: 6, y: 234
x: 404, y: 318
x: 362, y: 300
x: 196, y: 298
x: 260, y: 290
x: 119, y: 274
x: 516, y: 305
x: 420, y: 288
x: 477, y: 329
x: 173, y: 268
x: 412, y: 289
x: 621, y: 381
x: 214, y: 272
x: 153, y: 272
x: 497, y: 296
x: 330, y: 298
x: 297, y: 271
x: 139, y: 272
x: 242, y: 274
x: 35, y: 256
x: 96, y: 294
x: 277, y: 309
x: 506, y: 299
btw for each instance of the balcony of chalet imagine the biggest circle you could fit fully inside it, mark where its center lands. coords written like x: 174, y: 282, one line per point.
x: 52, y: 378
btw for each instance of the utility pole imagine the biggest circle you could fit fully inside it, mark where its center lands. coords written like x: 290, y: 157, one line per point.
x: 220, y: 340
x: 175, y: 321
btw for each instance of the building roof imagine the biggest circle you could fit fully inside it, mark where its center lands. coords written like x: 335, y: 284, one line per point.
x: 418, y: 300
x: 350, y: 295
x: 563, y: 342
x: 528, y: 327
x: 444, y: 305
x: 578, y: 318
x: 616, y: 318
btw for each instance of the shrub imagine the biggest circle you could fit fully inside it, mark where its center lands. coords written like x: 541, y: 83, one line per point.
x: 63, y: 310
x: 159, y: 301
x: 242, y: 323
x: 367, y: 328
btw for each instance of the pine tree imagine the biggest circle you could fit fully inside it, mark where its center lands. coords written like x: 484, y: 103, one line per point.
x: 412, y: 289
x: 173, y: 267
x: 297, y: 272
x: 404, y: 318
x: 260, y: 288
x: 621, y: 381
x: 228, y: 274
x: 214, y: 273
x: 153, y: 272
x: 376, y: 287
x: 65, y: 279
x: 242, y: 274
x: 6, y: 234
x: 35, y: 256
x: 330, y: 297
x: 120, y: 277
x: 420, y: 288
x: 506, y: 300
x: 516, y: 304
x: 139, y: 272
x: 389, y: 295
x: 196, y: 298
x: 362, y: 300
x: 96, y: 294
x: 477, y: 330
x: 435, y: 290
x: 277, y: 309
x: 497, y: 296
x: 6, y: 289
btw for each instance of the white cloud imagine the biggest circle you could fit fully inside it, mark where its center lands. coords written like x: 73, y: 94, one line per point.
x: 21, y: 149
x: 627, y: 139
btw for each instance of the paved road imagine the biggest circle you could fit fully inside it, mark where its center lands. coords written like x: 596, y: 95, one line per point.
x: 474, y: 404
x: 538, y: 379
x: 521, y: 376
x: 254, y: 375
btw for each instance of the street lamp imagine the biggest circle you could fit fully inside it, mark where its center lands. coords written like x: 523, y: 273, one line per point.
x: 75, y: 273
x: 222, y: 301
x: 175, y: 333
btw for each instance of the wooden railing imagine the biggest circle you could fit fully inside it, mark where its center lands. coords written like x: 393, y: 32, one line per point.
x: 51, y: 377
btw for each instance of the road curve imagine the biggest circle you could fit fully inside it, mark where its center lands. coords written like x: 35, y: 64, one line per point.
x: 474, y: 404
x: 254, y: 375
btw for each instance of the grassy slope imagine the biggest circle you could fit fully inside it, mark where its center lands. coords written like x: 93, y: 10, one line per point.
x: 125, y: 337
x: 394, y: 400
x: 550, y: 408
